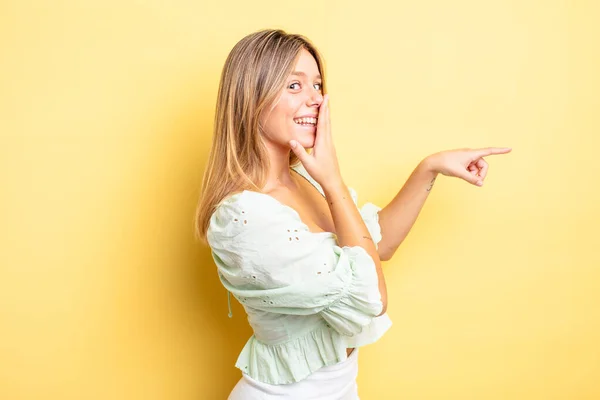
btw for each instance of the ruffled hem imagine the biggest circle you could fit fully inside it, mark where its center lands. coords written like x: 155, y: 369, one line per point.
x: 292, y: 361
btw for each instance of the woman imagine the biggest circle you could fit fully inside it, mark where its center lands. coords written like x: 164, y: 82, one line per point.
x: 285, y: 231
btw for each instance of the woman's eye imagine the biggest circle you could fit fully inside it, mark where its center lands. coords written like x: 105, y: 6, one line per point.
x: 320, y: 85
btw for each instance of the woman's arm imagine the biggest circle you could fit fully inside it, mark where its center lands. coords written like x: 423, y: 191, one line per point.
x: 351, y: 229
x: 397, y: 218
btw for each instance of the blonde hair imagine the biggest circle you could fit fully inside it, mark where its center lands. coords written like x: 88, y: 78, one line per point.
x: 252, y: 78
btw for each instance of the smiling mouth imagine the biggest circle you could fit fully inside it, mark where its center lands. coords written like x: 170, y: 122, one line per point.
x: 306, y: 121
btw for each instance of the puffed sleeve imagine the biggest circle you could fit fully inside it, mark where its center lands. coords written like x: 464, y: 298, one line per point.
x: 270, y: 261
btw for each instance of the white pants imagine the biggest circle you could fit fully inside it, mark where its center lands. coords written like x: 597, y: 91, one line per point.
x: 334, y: 382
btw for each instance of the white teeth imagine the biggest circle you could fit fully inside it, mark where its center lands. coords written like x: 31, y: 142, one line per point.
x: 306, y: 121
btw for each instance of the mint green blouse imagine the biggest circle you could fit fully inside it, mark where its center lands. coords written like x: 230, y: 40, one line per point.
x: 307, y: 298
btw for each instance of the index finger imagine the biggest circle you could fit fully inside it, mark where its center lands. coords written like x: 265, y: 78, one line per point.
x: 488, y: 151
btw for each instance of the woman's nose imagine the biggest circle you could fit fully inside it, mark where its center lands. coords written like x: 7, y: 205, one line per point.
x: 316, y: 98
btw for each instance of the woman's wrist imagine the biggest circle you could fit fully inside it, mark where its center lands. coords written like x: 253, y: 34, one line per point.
x: 429, y: 165
x: 334, y: 187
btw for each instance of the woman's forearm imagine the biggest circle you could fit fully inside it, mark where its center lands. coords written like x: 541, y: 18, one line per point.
x: 351, y: 229
x: 398, y: 217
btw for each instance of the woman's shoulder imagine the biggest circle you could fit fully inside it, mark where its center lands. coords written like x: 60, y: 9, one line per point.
x: 245, y: 211
x: 246, y: 202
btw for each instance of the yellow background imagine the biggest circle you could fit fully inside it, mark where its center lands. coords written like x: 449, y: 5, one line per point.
x: 106, y: 118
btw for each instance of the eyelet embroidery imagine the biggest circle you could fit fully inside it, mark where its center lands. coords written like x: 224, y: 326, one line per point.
x: 291, y: 238
x: 237, y: 220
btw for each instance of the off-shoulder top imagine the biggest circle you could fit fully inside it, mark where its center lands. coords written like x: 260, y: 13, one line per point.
x: 307, y: 299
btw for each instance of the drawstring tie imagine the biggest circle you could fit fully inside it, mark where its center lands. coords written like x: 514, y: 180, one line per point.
x: 229, y: 303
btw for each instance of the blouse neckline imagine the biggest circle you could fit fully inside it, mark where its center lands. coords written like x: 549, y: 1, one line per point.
x: 303, y: 173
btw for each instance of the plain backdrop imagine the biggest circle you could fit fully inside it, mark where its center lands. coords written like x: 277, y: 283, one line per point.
x: 106, y: 117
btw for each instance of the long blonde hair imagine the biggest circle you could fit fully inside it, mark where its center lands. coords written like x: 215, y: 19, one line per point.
x: 253, y: 76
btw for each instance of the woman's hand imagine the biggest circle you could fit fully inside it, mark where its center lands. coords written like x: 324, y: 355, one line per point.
x: 467, y: 164
x: 322, y: 163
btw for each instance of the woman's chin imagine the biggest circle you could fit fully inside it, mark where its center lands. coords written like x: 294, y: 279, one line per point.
x: 307, y: 140
x: 305, y: 136
x: 307, y: 143
x: 310, y: 143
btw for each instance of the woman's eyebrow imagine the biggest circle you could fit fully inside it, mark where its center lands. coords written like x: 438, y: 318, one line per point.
x: 300, y: 73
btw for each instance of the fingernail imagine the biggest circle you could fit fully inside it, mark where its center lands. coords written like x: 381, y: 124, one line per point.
x: 479, y: 183
x: 293, y: 143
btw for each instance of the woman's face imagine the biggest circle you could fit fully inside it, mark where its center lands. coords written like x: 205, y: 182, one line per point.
x: 294, y: 115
